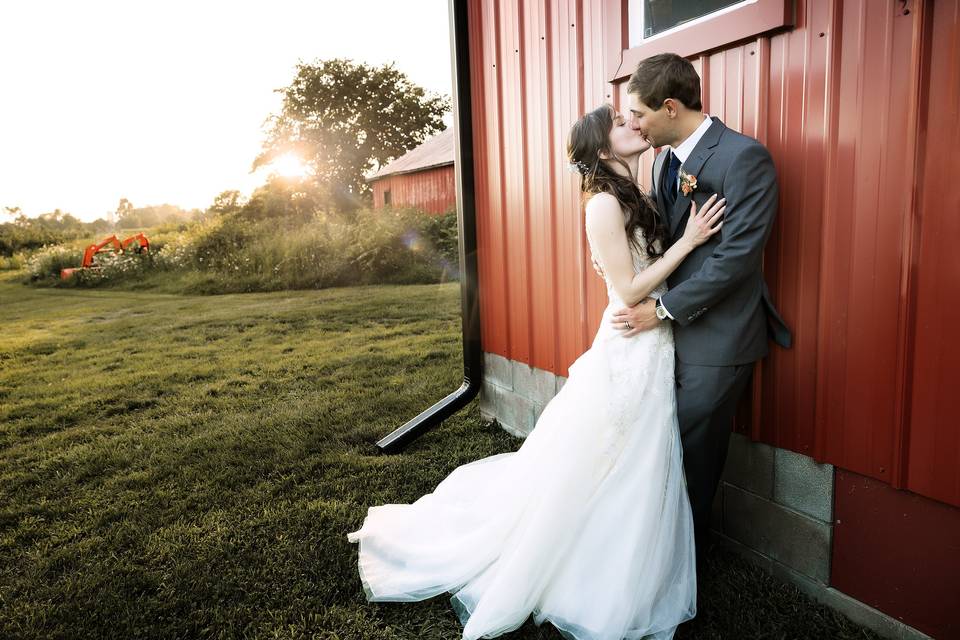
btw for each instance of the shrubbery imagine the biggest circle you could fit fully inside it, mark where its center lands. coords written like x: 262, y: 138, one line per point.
x: 12, y: 263
x: 30, y: 234
x: 45, y: 264
x: 231, y: 253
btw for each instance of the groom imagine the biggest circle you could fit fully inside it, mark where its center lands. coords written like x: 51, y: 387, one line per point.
x: 718, y: 302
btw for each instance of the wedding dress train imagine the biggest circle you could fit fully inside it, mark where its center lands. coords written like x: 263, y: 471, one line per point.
x: 587, y: 525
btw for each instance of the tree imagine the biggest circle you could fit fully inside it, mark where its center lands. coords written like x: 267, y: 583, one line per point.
x: 124, y: 209
x: 227, y: 202
x: 152, y: 216
x: 345, y: 119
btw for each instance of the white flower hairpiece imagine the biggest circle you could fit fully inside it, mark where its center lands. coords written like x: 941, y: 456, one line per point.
x: 579, y: 166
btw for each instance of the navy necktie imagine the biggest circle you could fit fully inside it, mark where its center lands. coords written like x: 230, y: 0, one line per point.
x: 671, y: 184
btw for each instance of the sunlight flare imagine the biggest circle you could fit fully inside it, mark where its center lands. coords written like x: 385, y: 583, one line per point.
x: 289, y: 165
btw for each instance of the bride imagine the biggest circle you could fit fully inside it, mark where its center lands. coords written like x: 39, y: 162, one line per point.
x: 588, y: 524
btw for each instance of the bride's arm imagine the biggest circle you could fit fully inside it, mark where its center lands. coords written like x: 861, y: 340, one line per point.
x: 609, y: 239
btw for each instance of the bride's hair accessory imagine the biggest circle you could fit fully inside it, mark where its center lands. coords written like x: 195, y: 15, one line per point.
x: 579, y: 166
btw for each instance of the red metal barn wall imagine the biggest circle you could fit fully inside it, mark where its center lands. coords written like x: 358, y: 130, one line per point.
x: 859, y: 103
x: 433, y: 190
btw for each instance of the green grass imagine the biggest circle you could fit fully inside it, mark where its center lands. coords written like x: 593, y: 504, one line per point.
x: 188, y: 466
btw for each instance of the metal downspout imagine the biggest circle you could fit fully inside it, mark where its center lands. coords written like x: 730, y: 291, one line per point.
x: 467, y: 227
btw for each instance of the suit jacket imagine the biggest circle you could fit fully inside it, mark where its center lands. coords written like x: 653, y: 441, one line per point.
x: 721, y: 306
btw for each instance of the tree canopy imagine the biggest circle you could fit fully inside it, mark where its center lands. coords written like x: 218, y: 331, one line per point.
x: 347, y: 119
x: 130, y: 217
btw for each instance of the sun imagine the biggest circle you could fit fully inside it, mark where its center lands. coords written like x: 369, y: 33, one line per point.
x: 289, y: 165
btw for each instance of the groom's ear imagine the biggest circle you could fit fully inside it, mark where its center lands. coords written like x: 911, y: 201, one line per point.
x: 671, y: 107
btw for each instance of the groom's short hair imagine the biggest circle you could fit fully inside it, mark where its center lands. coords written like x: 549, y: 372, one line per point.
x: 666, y: 75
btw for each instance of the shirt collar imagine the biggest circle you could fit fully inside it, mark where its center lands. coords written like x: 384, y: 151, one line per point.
x: 685, y: 148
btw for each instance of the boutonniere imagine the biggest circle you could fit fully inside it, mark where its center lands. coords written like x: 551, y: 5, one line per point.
x: 688, y: 182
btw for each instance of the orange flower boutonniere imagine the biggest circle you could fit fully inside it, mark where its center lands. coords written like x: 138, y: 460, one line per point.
x: 688, y: 182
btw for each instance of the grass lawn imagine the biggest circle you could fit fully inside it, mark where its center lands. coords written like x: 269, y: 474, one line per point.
x: 188, y: 466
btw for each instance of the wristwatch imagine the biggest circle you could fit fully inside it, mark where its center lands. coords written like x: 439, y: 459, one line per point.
x: 661, y: 310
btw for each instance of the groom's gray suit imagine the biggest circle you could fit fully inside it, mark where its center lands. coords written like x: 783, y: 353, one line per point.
x: 723, y: 315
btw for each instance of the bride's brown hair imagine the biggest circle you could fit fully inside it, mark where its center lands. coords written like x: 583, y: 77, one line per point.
x: 589, y: 136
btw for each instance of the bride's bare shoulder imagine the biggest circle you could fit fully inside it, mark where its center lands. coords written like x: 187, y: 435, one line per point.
x: 604, y: 210
x: 602, y: 200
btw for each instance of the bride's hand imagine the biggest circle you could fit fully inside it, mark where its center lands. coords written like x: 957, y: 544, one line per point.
x: 704, y: 223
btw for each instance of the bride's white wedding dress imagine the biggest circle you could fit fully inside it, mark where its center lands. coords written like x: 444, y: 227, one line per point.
x: 587, y: 525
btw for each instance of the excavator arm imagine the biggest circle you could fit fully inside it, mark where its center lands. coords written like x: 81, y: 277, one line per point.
x: 113, y: 242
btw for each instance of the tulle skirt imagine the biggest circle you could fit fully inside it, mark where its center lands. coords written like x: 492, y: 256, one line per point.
x: 587, y: 525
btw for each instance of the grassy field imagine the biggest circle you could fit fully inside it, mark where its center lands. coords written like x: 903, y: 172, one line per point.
x: 188, y: 466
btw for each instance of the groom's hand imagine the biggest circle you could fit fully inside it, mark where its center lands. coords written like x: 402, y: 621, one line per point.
x: 640, y: 317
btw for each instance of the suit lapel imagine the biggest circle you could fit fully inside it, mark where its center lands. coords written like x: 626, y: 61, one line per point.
x: 657, y: 178
x: 701, y: 153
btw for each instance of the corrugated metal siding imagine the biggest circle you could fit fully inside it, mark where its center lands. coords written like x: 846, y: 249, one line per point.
x: 833, y: 99
x: 867, y: 196
x: 528, y: 88
x: 933, y: 439
x: 567, y: 321
x: 433, y: 190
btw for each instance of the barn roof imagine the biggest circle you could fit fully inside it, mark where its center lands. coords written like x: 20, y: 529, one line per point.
x: 434, y: 152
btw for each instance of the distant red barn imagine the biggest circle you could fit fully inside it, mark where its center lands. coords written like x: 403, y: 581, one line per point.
x: 422, y: 178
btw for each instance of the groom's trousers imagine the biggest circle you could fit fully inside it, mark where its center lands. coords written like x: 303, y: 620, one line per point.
x: 707, y: 399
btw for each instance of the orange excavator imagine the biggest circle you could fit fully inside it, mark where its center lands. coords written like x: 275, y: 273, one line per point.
x: 113, y: 242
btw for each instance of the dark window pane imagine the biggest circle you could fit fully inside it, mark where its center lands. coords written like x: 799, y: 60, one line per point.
x: 660, y: 15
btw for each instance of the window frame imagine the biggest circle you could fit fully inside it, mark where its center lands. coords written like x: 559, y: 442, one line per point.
x: 712, y: 31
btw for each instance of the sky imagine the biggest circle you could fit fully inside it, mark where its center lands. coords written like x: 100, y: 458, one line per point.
x: 165, y: 102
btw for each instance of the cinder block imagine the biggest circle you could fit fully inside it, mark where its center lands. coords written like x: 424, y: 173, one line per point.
x: 537, y: 411
x: 749, y: 465
x: 489, y: 400
x: 803, y: 485
x: 745, y: 552
x: 561, y: 380
x: 497, y: 369
x: 515, y: 413
x: 796, y: 540
x: 534, y: 384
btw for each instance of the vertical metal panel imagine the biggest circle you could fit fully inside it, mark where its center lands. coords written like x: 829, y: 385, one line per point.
x: 488, y: 144
x: 595, y: 14
x: 863, y: 217
x: 514, y: 158
x: 540, y: 170
x: 791, y: 122
x: 565, y: 43
x: 934, y: 438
